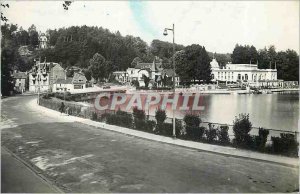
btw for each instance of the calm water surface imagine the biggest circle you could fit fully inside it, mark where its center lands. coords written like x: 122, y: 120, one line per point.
x: 275, y: 111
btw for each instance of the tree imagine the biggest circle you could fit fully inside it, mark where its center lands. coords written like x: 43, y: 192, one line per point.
x: 98, y: 67
x: 66, y: 4
x: 33, y: 36
x: 4, y: 18
x: 198, y: 62
x: 182, y: 67
x: 88, y: 75
x: 244, y: 54
x: 163, y: 49
x: 287, y: 63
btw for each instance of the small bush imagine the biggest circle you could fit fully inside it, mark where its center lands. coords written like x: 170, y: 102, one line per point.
x: 192, y: 120
x: 261, y: 139
x: 223, y: 135
x: 139, y: 118
x: 194, y: 133
x: 167, y: 128
x: 125, y: 118
x: 104, y: 117
x: 150, y: 125
x: 160, y: 116
x: 211, y: 133
x: 94, y: 116
x: 122, y: 120
x: 241, y: 128
x: 139, y: 114
x: 286, y: 144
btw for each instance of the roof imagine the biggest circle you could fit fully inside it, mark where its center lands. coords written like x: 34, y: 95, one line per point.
x: 20, y: 75
x: 143, y: 65
x: 78, y: 76
x: 214, y: 63
x: 63, y: 81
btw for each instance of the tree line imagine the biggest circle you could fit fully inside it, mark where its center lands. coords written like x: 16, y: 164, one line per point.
x: 98, y: 49
x: 287, y: 62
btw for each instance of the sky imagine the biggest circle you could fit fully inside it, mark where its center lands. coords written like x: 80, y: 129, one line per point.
x: 217, y: 25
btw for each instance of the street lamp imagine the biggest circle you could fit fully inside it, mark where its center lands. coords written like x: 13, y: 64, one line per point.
x: 165, y: 34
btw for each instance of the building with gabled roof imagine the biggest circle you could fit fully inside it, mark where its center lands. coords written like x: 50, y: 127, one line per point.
x: 20, y: 81
x: 77, y: 82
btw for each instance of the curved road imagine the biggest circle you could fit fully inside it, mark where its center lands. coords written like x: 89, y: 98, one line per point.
x: 78, y: 158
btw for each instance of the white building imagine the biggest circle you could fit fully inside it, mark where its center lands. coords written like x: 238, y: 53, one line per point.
x: 248, y: 74
x: 77, y: 83
x: 153, y: 70
x: 43, y: 75
x: 43, y: 41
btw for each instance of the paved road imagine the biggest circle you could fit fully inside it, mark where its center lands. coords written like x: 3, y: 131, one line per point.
x: 79, y: 158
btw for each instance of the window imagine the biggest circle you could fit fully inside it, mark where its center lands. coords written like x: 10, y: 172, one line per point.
x: 212, y: 76
x: 246, y: 76
x: 239, y: 76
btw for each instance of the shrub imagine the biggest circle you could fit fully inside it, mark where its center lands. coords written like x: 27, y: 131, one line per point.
x: 135, y: 83
x: 286, y: 144
x: 241, y: 128
x: 104, y: 117
x: 167, y: 128
x: 94, y: 116
x: 223, y: 135
x: 112, y: 119
x: 150, y: 125
x: 125, y: 118
x: 160, y: 116
x: 139, y: 118
x: 138, y: 114
x: 194, y: 133
x: 261, y: 139
x: 192, y: 120
x: 211, y: 133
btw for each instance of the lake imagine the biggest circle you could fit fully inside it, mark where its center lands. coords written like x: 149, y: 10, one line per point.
x: 274, y: 111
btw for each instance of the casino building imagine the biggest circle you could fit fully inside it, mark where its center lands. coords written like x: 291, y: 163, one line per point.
x: 246, y: 74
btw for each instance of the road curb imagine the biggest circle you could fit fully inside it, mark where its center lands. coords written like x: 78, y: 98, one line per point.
x: 35, y: 170
x: 109, y: 128
x: 245, y: 154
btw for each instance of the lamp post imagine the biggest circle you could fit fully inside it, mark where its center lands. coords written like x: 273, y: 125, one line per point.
x: 165, y: 34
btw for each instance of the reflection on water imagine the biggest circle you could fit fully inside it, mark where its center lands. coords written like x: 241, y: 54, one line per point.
x: 272, y: 111
x: 275, y: 111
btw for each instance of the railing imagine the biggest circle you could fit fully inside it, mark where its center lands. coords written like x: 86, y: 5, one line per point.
x: 76, y: 109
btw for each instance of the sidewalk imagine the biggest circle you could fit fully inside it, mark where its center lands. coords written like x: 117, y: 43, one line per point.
x: 287, y: 161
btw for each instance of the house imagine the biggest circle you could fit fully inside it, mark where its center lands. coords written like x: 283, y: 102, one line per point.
x: 61, y: 85
x: 39, y: 77
x: 76, y: 83
x: 43, y: 75
x: 121, y: 76
x: 43, y: 41
x: 151, y: 70
x: 56, y: 72
x: 19, y: 81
